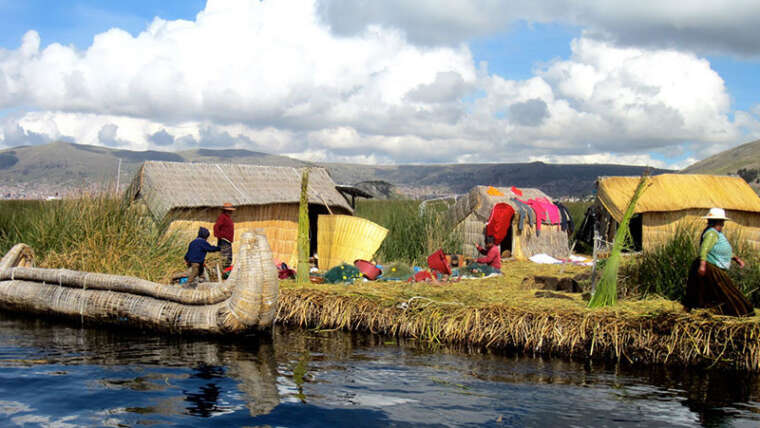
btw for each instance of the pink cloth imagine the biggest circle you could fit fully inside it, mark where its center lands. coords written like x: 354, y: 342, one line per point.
x: 552, y: 210
x: 540, y: 211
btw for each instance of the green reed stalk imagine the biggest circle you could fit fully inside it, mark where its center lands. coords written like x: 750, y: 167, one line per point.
x: 302, y: 269
x: 606, y: 291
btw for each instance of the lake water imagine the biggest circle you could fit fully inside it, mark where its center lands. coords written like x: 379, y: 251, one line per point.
x: 60, y: 375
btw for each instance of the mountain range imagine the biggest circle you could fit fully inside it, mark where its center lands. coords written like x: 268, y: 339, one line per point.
x: 61, y: 167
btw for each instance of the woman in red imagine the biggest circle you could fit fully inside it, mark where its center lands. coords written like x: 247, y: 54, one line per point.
x: 492, y: 254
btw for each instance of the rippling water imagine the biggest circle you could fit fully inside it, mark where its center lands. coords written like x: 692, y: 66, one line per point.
x: 54, y: 374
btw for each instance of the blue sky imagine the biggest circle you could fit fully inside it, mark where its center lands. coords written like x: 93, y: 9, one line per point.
x: 553, y: 90
x: 516, y: 52
x: 78, y: 21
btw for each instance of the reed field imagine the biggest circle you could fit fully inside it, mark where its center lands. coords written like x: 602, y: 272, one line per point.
x: 412, y: 234
x: 94, y: 234
x: 102, y: 234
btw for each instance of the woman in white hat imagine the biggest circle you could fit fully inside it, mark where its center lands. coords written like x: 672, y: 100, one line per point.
x: 709, y: 285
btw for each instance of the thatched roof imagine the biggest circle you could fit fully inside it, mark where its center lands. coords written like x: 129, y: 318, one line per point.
x: 168, y: 185
x: 676, y: 192
x: 480, y: 202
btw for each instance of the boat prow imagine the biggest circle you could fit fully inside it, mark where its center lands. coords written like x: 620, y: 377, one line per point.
x: 246, y: 301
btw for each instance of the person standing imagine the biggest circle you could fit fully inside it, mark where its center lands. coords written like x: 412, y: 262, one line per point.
x: 709, y: 285
x: 224, y: 231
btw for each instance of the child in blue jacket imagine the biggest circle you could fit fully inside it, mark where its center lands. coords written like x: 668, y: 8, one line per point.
x: 196, y: 254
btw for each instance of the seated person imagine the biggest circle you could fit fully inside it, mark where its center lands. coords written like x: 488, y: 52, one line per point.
x: 196, y: 254
x: 492, y: 254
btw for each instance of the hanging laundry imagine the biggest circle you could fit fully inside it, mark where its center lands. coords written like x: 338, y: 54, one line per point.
x: 501, y: 219
x: 541, y: 214
x: 494, y: 191
x: 551, y: 210
x: 525, y: 212
x: 567, y: 220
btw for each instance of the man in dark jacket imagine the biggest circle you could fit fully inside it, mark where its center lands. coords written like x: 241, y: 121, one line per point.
x: 224, y: 231
x: 196, y: 254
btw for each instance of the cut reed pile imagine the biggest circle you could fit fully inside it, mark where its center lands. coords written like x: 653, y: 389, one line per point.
x: 499, y: 315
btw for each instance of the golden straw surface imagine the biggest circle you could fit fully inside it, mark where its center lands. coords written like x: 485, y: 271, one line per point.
x: 343, y: 239
x: 676, y: 192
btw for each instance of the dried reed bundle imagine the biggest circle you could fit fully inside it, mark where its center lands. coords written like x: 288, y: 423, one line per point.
x: 343, y: 239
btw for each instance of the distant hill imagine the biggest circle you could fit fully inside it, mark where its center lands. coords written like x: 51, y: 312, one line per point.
x: 743, y: 161
x: 554, y: 179
x: 61, y: 166
x: 379, y: 189
x: 41, y: 170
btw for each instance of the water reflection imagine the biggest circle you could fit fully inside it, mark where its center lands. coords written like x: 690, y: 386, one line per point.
x: 111, y: 378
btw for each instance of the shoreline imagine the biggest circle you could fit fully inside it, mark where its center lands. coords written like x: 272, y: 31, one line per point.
x: 662, y: 337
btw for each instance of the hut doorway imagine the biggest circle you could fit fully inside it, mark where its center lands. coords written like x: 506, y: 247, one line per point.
x: 506, y: 244
x: 635, y: 229
x: 315, y: 210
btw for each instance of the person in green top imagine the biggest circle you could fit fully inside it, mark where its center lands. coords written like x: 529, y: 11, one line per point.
x: 709, y: 285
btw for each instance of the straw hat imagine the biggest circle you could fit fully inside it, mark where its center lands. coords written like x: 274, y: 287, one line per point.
x: 716, y: 214
x: 228, y: 206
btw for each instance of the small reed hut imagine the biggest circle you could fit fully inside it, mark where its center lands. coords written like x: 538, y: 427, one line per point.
x: 190, y: 195
x: 470, y: 216
x: 672, y: 201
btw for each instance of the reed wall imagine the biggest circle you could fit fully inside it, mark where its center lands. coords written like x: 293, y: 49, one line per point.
x: 659, y: 227
x: 279, y: 222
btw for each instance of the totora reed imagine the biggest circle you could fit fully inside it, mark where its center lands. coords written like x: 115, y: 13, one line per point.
x: 246, y: 301
x: 661, y: 337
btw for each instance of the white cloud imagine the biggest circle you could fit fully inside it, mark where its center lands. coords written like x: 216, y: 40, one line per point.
x: 705, y: 26
x: 273, y: 77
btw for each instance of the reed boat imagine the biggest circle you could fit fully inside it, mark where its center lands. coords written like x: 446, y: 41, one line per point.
x: 245, y: 302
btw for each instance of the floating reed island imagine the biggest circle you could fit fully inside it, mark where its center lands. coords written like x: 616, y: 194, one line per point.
x: 246, y: 301
x: 503, y: 314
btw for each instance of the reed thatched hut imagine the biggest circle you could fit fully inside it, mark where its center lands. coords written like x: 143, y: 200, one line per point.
x: 471, y: 212
x: 189, y: 195
x: 672, y: 201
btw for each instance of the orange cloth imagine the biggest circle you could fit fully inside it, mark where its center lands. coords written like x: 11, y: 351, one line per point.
x: 494, y: 191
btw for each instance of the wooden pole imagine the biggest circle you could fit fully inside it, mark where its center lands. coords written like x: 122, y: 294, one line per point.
x: 593, y: 263
x: 118, y: 176
x: 302, y: 268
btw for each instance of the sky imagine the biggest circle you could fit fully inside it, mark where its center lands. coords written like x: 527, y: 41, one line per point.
x: 386, y: 82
